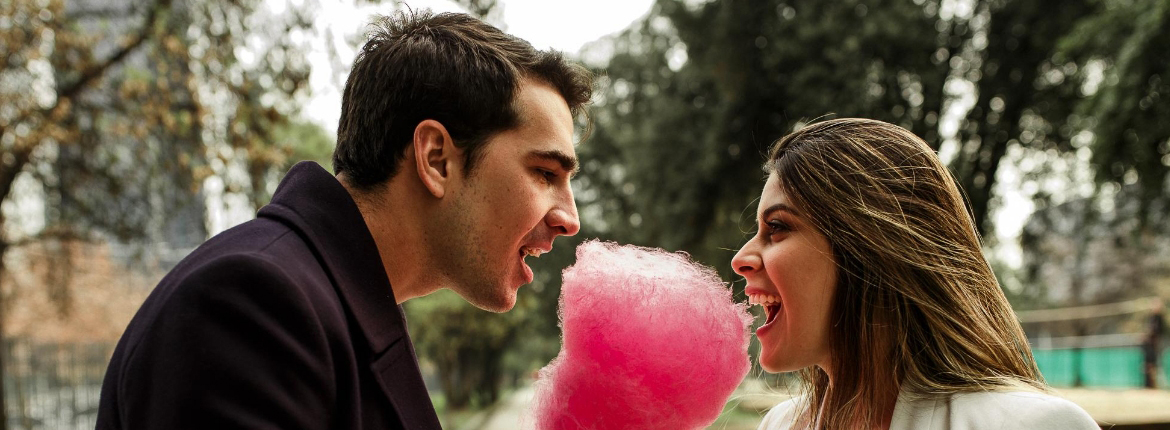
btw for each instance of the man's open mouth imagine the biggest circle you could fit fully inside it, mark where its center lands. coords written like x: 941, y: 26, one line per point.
x: 531, y: 252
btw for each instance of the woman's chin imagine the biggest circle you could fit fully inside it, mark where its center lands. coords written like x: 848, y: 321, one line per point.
x: 773, y: 364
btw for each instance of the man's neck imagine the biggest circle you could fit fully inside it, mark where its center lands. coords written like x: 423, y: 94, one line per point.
x: 393, y: 220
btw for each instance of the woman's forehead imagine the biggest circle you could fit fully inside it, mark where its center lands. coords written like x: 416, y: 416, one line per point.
x: 773, y: 198
x: 772, y: 193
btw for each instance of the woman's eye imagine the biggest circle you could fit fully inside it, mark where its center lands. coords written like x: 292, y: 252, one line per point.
x: 776, y: 227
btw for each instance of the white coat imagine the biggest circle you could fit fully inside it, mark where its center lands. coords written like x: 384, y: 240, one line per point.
x: 988, y: 410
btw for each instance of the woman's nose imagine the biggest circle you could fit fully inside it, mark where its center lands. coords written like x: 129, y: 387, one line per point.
x: 746, y: 260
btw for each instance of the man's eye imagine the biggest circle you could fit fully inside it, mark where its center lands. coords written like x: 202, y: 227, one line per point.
x: 548, y: 175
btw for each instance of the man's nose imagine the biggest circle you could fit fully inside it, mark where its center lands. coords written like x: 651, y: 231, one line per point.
x: 563, y: 219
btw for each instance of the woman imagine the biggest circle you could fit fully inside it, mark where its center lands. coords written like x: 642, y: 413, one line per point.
x: 875, y: 288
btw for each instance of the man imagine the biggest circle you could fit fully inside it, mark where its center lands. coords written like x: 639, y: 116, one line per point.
x: 453, y: 162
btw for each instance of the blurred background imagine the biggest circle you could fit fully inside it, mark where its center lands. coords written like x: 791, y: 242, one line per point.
x: 133, y: 130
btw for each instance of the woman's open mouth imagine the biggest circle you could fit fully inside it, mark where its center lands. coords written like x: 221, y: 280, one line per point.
x: 771, y: 311
x: 771, y: 304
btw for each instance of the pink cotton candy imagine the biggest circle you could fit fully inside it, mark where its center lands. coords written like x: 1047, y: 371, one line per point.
x: 651, y: 340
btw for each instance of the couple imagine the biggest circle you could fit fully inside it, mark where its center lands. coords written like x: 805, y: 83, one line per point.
x: 453, y: 161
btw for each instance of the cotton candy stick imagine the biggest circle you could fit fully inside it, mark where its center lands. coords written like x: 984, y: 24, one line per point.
x: 651, y: 340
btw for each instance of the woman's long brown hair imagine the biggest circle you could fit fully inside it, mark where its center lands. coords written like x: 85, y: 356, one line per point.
x: 917, y: 306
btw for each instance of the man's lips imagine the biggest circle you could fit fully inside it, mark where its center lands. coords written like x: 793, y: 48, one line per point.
x: 534, y: 251
x: 535, y: 248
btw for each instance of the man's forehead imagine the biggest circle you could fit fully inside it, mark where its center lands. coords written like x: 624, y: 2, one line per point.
x: 535, y: 92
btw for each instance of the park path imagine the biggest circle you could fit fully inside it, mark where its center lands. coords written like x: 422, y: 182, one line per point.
x: 510, y: 413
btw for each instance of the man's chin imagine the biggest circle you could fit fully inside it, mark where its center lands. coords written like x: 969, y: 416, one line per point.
x: 498, y: 303
x: 499, y: 307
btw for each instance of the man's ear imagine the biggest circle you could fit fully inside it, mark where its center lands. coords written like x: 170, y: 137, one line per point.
x: 435, y: 156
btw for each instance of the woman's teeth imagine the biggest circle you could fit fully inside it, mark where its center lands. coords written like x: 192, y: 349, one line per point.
x: 763, y: 299
x: 770, y: 303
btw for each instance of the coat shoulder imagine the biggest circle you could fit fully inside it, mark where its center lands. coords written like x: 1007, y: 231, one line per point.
x: 1018, y: 410
x: 783, y: 415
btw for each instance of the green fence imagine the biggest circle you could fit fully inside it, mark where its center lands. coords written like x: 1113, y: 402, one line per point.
x: 1097, y: 367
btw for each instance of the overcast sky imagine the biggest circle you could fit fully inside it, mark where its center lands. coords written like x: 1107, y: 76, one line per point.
x: 564, y: 25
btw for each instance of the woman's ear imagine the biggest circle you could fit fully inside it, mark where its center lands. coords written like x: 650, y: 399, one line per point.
x: 435, y: 156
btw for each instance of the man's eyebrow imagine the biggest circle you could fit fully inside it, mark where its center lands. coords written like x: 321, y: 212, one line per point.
x: 567, y: 162
x: 778, y: 207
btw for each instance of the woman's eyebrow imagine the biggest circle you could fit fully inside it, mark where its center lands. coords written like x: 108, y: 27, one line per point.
x: 778, y: 207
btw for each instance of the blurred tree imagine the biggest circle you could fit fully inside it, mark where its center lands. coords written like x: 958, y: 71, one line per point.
x: 1120, y: 69
x: 304, y: 141
x: 1094, y: 249
x: 693, y: 96
x: 1109, y: 69
x: 113, y: 113
x: 466, y: 344
x: 1006, y: 57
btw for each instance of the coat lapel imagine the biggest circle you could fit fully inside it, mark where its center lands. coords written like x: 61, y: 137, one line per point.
x: 399, y: 376
x: 315, y: 204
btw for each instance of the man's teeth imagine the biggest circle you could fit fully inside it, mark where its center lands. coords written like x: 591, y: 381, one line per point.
x: 533, y: 252
x: 763, y: 299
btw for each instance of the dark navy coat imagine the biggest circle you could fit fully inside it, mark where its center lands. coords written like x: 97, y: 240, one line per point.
x: 283, y: 322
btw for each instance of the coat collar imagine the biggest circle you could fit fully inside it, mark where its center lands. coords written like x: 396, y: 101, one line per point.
x: 314, y: 203
x: 913, y: 411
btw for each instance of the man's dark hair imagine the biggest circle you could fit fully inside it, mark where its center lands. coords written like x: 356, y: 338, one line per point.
x: 448, y: 67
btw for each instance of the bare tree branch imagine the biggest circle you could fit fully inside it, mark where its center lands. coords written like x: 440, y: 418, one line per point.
x: 21, y: 151
x: 98, y: 70
x: 66, y: 93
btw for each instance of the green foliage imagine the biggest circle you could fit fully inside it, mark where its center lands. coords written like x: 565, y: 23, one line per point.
x: 1017, y: 103
x: 1109, y: 70
x: 694, y: 96
x: 1127, y: 105
x: 467, y: 345
x: 305, y: 141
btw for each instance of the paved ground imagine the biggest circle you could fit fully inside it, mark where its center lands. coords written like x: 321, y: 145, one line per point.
x: 512, y: 412
x: 1123, y: 407
x: 1120, y: 409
